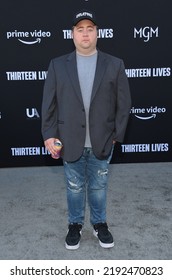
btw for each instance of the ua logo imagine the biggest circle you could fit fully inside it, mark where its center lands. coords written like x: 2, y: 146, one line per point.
x: 32, y: 113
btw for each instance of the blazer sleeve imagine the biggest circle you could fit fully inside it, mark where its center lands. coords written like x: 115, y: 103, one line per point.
x: 123, y: 105
x: 49, y: 110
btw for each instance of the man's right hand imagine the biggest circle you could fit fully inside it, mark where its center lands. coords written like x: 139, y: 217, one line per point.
x: 49, y: 144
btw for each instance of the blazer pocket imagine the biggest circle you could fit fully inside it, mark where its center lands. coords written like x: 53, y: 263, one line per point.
x: 60, y: 122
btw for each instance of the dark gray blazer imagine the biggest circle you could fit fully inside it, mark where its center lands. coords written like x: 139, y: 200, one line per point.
x: 63, y: 114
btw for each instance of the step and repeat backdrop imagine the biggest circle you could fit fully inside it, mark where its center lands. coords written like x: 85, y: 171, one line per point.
x: 34, y: 32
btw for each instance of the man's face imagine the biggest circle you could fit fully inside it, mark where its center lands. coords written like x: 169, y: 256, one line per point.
x: 85, y: 37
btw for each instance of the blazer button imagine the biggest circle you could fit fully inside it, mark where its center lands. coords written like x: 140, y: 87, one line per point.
x: 83, y: 110
x: 83, y: 125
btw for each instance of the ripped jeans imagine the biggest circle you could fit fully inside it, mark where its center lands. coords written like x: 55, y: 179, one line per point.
x: 89, y: 176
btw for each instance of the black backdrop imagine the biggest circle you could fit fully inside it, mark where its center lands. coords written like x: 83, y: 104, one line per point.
x: 33, y: 32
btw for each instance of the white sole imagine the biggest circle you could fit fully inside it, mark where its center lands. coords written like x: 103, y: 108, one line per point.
x: 69, y: 247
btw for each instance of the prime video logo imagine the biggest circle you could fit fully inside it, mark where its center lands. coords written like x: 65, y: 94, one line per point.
x: 28, y: 37
x: 147, y: 113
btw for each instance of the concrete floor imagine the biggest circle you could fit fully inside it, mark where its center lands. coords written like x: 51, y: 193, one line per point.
x: 33, y: 220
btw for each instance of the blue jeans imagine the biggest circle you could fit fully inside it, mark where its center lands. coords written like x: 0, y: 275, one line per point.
x: 87, y: 175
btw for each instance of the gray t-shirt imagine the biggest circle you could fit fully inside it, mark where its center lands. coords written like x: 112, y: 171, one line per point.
x: 86, y: 66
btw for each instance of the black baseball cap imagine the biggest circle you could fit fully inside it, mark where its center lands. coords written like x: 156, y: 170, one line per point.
x: 84, y: 14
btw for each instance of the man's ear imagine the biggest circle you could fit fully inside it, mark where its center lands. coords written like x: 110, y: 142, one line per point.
x: 97, y: 30
x: 72, y: 32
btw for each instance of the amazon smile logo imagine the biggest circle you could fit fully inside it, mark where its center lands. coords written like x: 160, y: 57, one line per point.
x: 147, y: 113
x: 28, y: 37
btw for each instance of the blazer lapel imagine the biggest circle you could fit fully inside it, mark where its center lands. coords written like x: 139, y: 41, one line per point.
x: 100, y: 69
x: 73, y: 74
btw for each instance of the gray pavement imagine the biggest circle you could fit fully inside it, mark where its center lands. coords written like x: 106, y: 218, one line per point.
x: 33, y: 216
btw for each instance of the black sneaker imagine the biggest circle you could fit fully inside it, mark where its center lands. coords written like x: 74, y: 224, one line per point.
x: 73, y: 236
x: 103, y: 234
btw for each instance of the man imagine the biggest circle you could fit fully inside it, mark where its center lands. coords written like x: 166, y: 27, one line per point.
x: 86, y: 104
